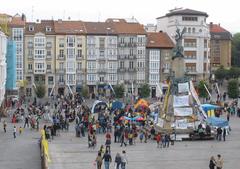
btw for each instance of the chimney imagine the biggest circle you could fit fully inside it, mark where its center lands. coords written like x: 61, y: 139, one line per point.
x: 23, y: 17
x: 160, y: 31
x: 211, y: 24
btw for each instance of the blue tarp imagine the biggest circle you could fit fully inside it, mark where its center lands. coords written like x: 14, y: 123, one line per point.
x: 217, y: 122
x: 207, y: 107
x: 117, y: 105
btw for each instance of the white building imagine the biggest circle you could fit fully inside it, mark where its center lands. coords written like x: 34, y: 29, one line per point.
x: 195, y: 41
x: 3, y: 66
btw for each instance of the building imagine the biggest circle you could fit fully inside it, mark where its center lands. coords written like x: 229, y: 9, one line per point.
x: 150, y: 28
x: 159, y: 49
x: 16, y: 26
x: 195, y: 41
x: 101, y: 58
x: 39, y: 55
x: 70, y: 56
x: 220, y: 47
x: 131, y: 53
x: 3, y: 66
x: 11, y: 66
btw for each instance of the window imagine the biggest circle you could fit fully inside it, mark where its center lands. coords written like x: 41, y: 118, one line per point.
x: 30, y: 44
x: 39, y: 53
x: 61, y: 42
x: 39, y: 41
x: 191, y: 67
x: 49, y: 53
x: 30, y: 52
x: 101, y: 53
x: 31, y: 28
x: 71, y: 78
x: 61, y: 78
x: 91, y: 65
x: 71, y: 66
x: 61, y: 53
x: 70, y: 41
x: 91, y: 77
x: 193, y: 30
x: 29, y: 79
x: 48, y: 29
x: 71, y: 53
x: 101, y: 79
x: 188, y: 18
x: 131, y: 64
x: 49, y: 44
x: 48, y: 67
x: 29, y: 92
x: 79, y: 65
x: 79, y: 53
x: 121, y: 64
x: 205, y: 43
x: 131, y: 39
x: 112, y: 77
x: 17, y: 34
x: 102, y: 42
x: 190, y: 42
x: 190, y: 54
x: 189, y: 30
x: 50, y: 80
x: 112, y: 65
x: 79, y: 42
x: 131, y: 52
x: 61, y: 66
x: 29, y: 66
x: 122, y: 40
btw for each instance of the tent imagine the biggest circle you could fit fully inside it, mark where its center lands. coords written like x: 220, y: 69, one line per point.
x: 217, y: 122
x: 207, y: 107
x: 97, y: 104
x: 117, y: 105
x: 141, y: 102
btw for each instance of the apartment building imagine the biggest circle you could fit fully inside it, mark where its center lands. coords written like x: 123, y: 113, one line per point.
x: 101, y: 58
x: 221, y: 47
x: 195, y: 41
x: 70, y: 56
x: 39, y: 55
x: 16, y: 26
x: 159, y: 49
x: 3, y: 66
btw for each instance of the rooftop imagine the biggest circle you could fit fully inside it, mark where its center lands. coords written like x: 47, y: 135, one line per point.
x: 218, y: 32
x: 159, y: 40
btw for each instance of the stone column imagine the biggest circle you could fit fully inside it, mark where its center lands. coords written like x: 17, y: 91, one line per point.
x: 178, y: 67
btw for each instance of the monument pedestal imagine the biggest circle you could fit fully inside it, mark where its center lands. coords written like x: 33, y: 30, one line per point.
x: 178, y: 67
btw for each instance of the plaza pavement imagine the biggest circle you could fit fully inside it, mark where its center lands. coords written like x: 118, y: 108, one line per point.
x: 69, y: 152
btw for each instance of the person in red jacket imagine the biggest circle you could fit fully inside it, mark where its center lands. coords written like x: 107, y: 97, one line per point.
x: 158, y: 139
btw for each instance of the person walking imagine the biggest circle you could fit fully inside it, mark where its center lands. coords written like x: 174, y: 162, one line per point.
x: 158, y: 139
x: 5, y: 126
x: 26, y: 123
x: 14, y: 131
x: 99, y: 161
x: 122, y: 140
x: 124, y: 159
x: 212, y: 163
x: 224, y: 134
x: 107, y: 159
x: 219, y: 162
x: 118, y: 161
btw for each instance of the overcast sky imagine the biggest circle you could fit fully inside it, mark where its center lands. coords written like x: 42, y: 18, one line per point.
x: 145, y: 11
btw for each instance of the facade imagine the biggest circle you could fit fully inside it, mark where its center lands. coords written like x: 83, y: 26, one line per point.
x: 195, y: 41
x: 159, y: 48
x: 101, y: 67
x: 70, y: 56
x: 39, y: 55
x: 11, y: 65
x: 16, y: 26
x: 220, y: 45
x: 3, y: 66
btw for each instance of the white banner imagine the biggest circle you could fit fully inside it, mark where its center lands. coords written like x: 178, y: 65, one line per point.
x: 183, y: 87
x: 181, y: 124
x: 160, y: 122
x: 183, y: 111
x: 180, y: 101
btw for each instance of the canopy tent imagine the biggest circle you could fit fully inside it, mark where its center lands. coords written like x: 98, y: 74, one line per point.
x: 217, y: 122
x: 137, y: 118
x: 98, y: 104
x: 141, y: 102
x: 207, y: 107
x: 117, y: 105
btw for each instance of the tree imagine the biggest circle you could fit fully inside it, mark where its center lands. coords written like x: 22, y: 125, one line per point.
x: 236, y: 50
x: 234, y: 72
x: 119, y: 91
x: 221, y: 73
x: 144, y: 91
x: 202, y: 90
x: 233, y: 89
x: 40, y: 90
x: 84, y: 92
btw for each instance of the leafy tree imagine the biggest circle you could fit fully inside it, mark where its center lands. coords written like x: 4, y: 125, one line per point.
x: 234, y: 72
x: 40, y: 90
x: 84, y: 92
x: 119, y: 90
x: 202, y: 90
x: 144, y: 91
x: 233, y: 89
x: 236, y: 50
x: 221, y: 73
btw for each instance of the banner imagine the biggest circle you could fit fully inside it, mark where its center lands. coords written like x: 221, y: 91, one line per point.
x: 207, y: 91
x: 183, y: 87
x: 181, y: 124
x: 160, y: 122
x: 159, y: 92
x: 180, y: 101
x: 183, y: 111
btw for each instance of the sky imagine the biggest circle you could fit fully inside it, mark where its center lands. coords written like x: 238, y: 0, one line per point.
x: 145, y: 11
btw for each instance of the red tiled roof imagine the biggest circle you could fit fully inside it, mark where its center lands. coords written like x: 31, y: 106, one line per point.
x: 99, y: 28
x: 40, y: 27
x: 216, y: 28
x: 17, y: 21
x: 69, y: 27
x: 159, y: 40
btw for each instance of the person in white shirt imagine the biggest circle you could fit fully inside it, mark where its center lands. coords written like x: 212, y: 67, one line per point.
x: 14, y: 131
x: 124, y: 160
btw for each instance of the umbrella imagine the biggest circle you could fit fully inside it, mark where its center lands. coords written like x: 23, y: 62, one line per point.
x: 217, y: 122
x: 207, y: 107
x: 117, y: 105
x: 140, y: 119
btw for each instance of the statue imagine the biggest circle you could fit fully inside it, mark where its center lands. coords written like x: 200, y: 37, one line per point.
x: 178, y: 50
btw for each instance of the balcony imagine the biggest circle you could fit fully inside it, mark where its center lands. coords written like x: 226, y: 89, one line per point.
x: 30, y: 44
x: 39, y: 71
x: 30, y: 56
x: 80, y: 71
x: 49, y: 45
x: 79, y: 57
x: 61, y: 57
x: 122, y: 70
x: 79, y: 82
x: 49, y: 57
x: 131, y: 44
x: 102, y: 71
x: 49, y: 70
x: 50, y: 83
x: 61, y: 82
x: 61, y: 71
x: 131, y: 69
x: 132, y: 57
x: 30, y: 71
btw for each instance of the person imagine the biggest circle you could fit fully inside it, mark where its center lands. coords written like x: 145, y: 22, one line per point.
x: 107, y: 159
x: 212, y: 163
x: 224, y: 134
x: 14, y: 131
x: 5, y: 126
x: 158, y: 139
x: 118, y: 161
x: 141, y: 135
x: 20, y: 130
x: 228, y: 116
x: 219, y: 162
x: 122, y: 140
x: 124, y: 159
x: 26, y: 123
x: 108, y: 142
x: 219, y: 133
x: 99, y: 161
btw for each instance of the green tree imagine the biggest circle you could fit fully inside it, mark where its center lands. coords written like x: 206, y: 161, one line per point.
x: 202, y: 90
x: 119, y: 90
x: 84, y: 92
x: 236, y: 49
x: 233, y: 89
x: 221, y: 73
x: 234, y: 72
x: 40, y: 90
x: 144, y: 91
